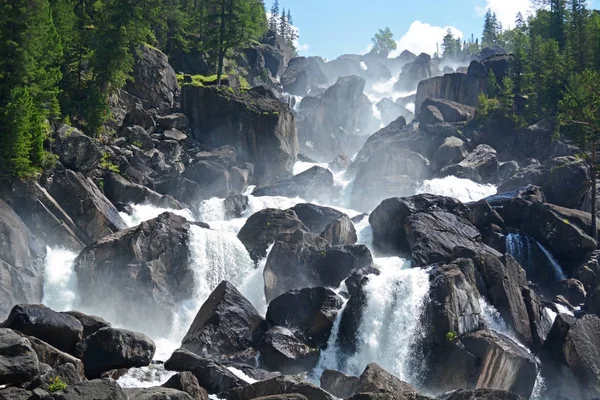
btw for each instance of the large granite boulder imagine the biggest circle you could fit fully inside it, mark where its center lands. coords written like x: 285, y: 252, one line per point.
x: 303, y: 74
x: 416, y: 71
x: 338, y: 384
x: 97, y: 389
x: 110, y: 348
x: 226, y: 324
x: 76, y: 150
x: 21, y: 262
x: 331, y: 224
x: 154, y: 81
x: 156, y: 393
x: 581, y: 350
x: 188, y: 383
x: 278, y: 386
x: 18, y: 361
x: 146, y: 267
x: 261, y: 129
x: 282, y: 350
x: 119, y: 190
x: 375, y: 379
x: 480, y: 165
x: 451, y: 111
x: 457, y: 87
x: 315, y: 183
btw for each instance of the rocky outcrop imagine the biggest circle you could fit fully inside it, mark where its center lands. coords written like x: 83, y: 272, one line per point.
x: 310, y: 312
x: 376, y: 379
x: 145, y: 267
x: 226, y: 324
x: 328, y: 223
x: 281, y: 350
x: 451, y: 111
x: 414, y: 72
x: 452, y: 151
x: 90, y: 323
x: 53, y: 357
x: 154, y: 81
x: 188, y: 383
x: 303, y: 74
x: 119, y: 190
x: 278, y: 386
x: 261, y: 129
x: 60, y: 330
x: 18, y: 362
x: 581, y: 350
x: 21, y: 262
x: 97, y: 389
x: 480, y: 165
x: 315, y: 183
x: 460, y: 88
x: 76, y: 150
x: 302, y: 259
x: 85, y: 204
x: 262, y: 229
x: 338, y: 384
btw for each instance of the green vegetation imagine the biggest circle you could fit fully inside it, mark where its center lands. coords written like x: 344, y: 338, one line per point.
x: 384, y: 42
x: 451, y: 337
x: 107, y: 164
x: 57, y: 384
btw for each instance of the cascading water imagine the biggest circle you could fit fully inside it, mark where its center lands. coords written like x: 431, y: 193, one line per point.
x: 60, y: 282
x: 253, y: 287
x: 391, y: 328
x: 461, y: 189
x: 535, y: 258
x: 330, y: 357
x: 145, y: 212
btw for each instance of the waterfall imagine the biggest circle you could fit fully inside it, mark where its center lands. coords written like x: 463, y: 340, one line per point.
x: 391, y: 328
x: 145, y: 212
x: 529, y: 253
x: 330, y: 357
x: 461, y: 189
x: 253, y: 287
x: 60, y: 282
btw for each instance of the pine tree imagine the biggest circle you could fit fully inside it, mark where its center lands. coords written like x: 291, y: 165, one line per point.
x: 273, y: 22
x: 383, y: 41
x: 283, y: 24
x: 292, y: 34
x: 558, y: 20
x: 579, y: 36
x: 491, y: 29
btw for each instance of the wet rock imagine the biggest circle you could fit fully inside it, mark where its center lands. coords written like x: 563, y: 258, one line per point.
x: 110, y: 348
x: 227, y: 323
x: 85, y: 204
x: 452, y: 151
x: 278, y: 386
x: 156, y: 393
x: 375, y: 379
x: 481, y: 394
x: 572, y: 290
x: 338, y: 384
x: 340, y: 163
x: 479, y: 166
x: 303, y: 74
x: 358, y: 278
x: 539, y: 320
x: 18, y: 361
x: 329, y: 223
x: 119, y: 190
x: 581, y: 350
x: 154, y: 81
x: 60, y: 330
x: 213, y: 178
x: 212, y: 376
x: 261, y: 129
x: 52, y: 356
x: 177, y: 121
x: 310, y: 311
x: 67, y: 373
x: 315, y: 183
x: 281, y: 350
x: 188, y: 383
x: 90, y: 323
x: 97, y: 389
x: 75, y: 150
x: 21, y: 262
x: 235, y: 206
x: 263, y: 228
x: 482, y: 215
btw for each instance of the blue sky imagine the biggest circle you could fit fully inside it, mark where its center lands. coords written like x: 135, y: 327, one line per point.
x: 329, y: 28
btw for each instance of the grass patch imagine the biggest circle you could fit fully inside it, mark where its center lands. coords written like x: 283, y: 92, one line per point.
x: 57, y: 384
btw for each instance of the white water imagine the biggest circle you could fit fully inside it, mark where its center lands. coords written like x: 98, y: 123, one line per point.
x: 60, y: 281
x: 558, y: 271
x: 461, y: 189
x: 391, y: 327
x: 150, y: 376
x: 240, y: 374
x: 253, y: 287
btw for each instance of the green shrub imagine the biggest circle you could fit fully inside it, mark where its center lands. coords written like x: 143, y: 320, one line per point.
x: 486, y: 107
x: 57, y: 384
x: 451, y: 337
x: 107, y: 164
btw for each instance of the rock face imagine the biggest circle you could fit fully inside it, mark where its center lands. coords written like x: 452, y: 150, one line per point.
x: 483, y: 360
x: 119, y: 190
x: 278, y: 386
x: 480, y: 165
x: 309, y: 311
x: 85, y: 204
x: 154, y: 81
x: 581, y: 350
x: 227, y: 323
x: 316, y: 183
x: 188, y: 383
x: 213, y: 377
x: 460, y: 88
x: 262, y: 229
x: 97, y: 389
x: 281, y: 350
x: 376, y: 379
x: 76, y: 150
x: 338, y: 384
x: 145, y: 267
x: 18, y: 361
x: 60, y: 330
x: 261, y: 128
x: 303, y: 74
x: 451, y: 111
x: 341, y: 120
x: 302, y: 259
x: 52, y: 356
x: 328, y: 223
x: 414, y: 72
x: 110, y: 348
x: 21, y: 262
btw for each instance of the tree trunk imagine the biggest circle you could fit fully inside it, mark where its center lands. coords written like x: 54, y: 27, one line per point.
x: 593, y: 174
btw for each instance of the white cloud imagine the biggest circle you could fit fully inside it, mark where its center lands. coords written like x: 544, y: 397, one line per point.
x: 506, y: 10
x: 366, y: 49
x: 423, y: 38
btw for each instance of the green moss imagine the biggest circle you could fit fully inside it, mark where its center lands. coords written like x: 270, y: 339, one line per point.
x: 566, y: 221
x: 107, y: 164
x: 451, y: 337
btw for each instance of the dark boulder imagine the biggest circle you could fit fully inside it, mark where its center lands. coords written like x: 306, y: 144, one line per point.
x: 281, y: 350
x: 480, y: 165
x: 119, y: 190
x: 188, y: 383
x: 457, y: 87
x: 140, y: 117
x: 278, y: 386
x: 227, y: 323
x: 329, y: 223
x: 451, y: 111
x: 176, y: 121
x: 85, y: 204
x: 451, y: 151
x: 18, y: 361
x: 21, y: 262
x: 90, y: 323
x: 481, y: 394
x: 316, y: 183
x: 338, y: 384
x: 60, y: 330
x: 430, y: 115
x: 154, y: 81
x: 572, y: 290
x: 212, y: 376
x: 261, y: 129
x: 262, y: 229
x: 76, y: 150
x: 309, y: 311
x: 146, y: 267
x: 581, y: 350
x: 67, y: 373
x: 303, y: 74
x: 110, y: 348
x: 235, y: 206
x: 52, y: 356
x: 213, y: 178
x: 97, y: 389
x: 156, y: 393
x: 376, y: 379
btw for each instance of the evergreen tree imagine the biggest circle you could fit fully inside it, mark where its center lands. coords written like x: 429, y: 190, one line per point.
x: 558, y: 20
x: 273, y: 22
x: 383, y: 41
x: 283, y: 24
x: 579, y: 36
x: 292, y: 34
x: 451, y: 46
x: 491, y: 29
